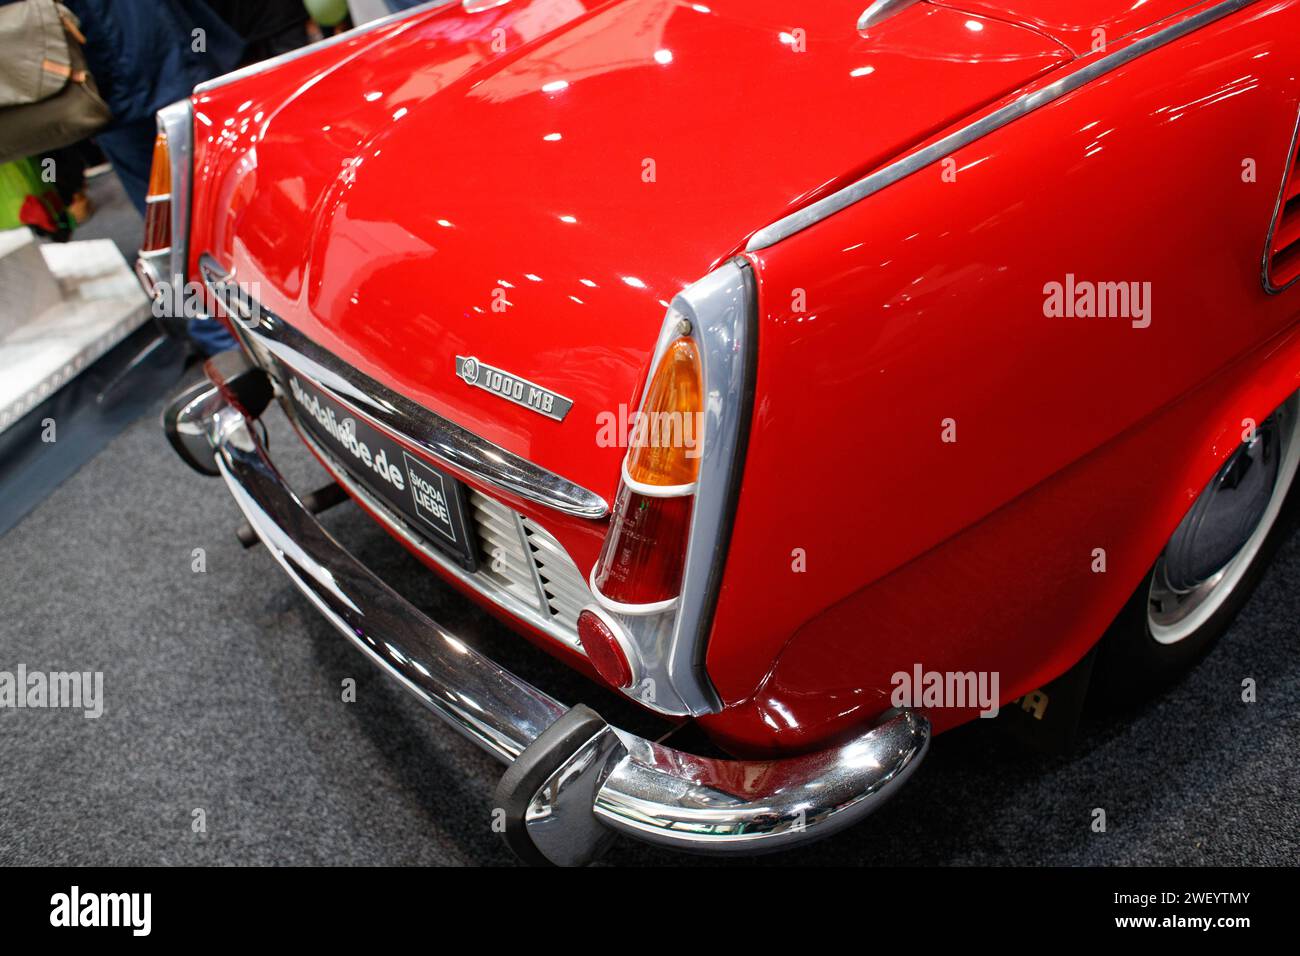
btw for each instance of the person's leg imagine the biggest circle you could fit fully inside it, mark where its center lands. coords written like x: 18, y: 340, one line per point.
x: 210, y: 337
x: 91, y: 155
x: 69, y: 166
x: 69, y: 171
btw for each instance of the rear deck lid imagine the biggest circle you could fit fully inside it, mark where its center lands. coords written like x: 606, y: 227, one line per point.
x: 531, y: 185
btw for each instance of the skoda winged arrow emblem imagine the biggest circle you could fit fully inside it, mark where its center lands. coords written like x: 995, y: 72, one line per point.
x: 513, y: 388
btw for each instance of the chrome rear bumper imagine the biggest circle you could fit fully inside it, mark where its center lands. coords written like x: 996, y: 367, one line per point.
x: 573, y: 779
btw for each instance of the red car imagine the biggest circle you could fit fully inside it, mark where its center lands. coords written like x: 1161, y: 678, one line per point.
x: 824, y: 377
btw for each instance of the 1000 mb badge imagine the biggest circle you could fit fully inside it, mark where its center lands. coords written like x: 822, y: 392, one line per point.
x: 512, y: 388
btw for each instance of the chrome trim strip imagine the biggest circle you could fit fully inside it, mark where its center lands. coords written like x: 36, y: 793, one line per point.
x: 274, y: 62
x: 1021, y: 106
x: 266, y: 333
x: 647, y: 790
x: 655, y: 491
x: 653, y: 609
x: 882, y: 10
x: 1292, y: 157
x: 177, y: 123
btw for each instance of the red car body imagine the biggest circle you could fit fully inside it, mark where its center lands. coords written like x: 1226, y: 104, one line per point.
x: 593, y: 159
x: 937, y: 470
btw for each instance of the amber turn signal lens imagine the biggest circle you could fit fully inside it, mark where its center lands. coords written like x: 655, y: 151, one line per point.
x: 160, y: 175
x: 667, y: 442
x: 158, y: 205
x: 604, y: 650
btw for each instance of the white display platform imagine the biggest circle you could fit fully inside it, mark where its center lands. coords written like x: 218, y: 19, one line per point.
x: 27, y: 286
x: 48, y: 337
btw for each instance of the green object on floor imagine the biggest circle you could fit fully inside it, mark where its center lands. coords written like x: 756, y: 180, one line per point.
x: 26, y: 200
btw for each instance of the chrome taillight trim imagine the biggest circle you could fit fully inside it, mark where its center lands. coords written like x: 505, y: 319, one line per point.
x: 176, y: 122
x: 1089, y: 69
x: 1292, y: 158
x: 722, y: 310
x: 720, y: 313
x: 265, y: 333
x: 146, y: 270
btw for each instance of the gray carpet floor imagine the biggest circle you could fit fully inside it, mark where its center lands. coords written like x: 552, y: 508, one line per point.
x: 223, y: 695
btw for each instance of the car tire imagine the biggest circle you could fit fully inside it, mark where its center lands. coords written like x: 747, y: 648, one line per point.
x: 1165, y: 628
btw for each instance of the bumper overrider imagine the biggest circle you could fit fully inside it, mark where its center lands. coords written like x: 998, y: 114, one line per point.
x: 573, y: 780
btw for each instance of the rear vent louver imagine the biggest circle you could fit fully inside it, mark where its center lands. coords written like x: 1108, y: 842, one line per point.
x: 524, y: 560
x: 1282, y: 261
x: 566, y: 589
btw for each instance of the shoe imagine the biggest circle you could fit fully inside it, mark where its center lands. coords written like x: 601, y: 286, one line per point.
x: 81, y: 208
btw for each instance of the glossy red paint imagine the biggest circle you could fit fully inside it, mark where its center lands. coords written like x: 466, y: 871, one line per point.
x: 1085, y: 27
x: 387, y: 205
x: 382, y: 194
x: 926, y: 303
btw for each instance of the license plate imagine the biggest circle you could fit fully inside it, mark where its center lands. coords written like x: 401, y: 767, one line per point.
x: 431, y: 501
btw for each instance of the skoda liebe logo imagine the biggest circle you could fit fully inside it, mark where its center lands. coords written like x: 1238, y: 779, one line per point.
x: 513, y: 388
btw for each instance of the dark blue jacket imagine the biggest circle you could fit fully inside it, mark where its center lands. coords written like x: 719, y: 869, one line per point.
x: 143, y: 57
x: 141, y: 52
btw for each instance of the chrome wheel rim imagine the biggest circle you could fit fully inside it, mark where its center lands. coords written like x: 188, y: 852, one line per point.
x: 1174, y: 614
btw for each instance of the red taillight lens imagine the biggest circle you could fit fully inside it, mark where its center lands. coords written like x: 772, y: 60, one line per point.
x: 158, y: 210
x: 157, y: 226
x: 641, y: 562
x: 604, y: 650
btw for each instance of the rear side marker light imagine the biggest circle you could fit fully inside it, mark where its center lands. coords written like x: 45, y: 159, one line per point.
x: 606, y: 648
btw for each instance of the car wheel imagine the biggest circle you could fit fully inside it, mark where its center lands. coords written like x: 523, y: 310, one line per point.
x: 1211, y: 563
